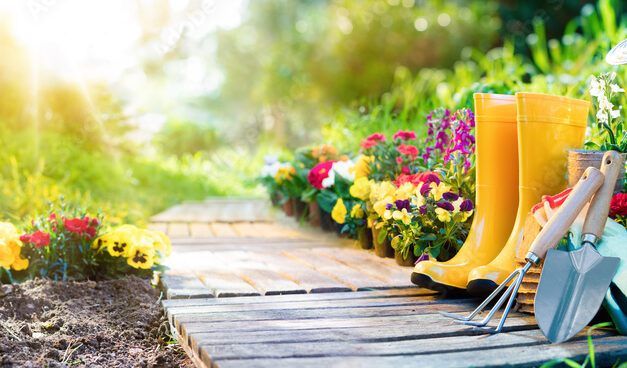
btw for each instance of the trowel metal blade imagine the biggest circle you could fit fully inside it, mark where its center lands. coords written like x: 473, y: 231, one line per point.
x: 571, y: 289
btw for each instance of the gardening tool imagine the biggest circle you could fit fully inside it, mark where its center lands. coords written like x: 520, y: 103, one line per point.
x: 548, y: 237
x: 573, y: 284
x: 496, y: 199
x: 548, y: 126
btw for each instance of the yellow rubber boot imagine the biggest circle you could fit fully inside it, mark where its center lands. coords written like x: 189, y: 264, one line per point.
x: 496, y: 200
x: 548, y: 126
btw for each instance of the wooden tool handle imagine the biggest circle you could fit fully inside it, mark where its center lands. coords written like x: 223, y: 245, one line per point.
x: 600, y: 204
x: 558, y: 224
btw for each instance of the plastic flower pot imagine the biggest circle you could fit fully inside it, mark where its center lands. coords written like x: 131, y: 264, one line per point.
x: 364, y: 236
x: 288, y: 207
x: 326, y: 222
x: 314, y: 214
x: 383, y: 249
x: 405, y: 262
x: 300, y: 208
x: 579, y: 160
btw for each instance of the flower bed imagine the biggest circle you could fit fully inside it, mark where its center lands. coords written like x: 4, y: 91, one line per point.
x: 114, y: 323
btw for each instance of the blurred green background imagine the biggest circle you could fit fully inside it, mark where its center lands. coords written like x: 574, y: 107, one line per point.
x: 132, y: 107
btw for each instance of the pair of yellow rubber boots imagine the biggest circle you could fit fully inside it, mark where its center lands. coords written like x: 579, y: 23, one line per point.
x: 521, y: 149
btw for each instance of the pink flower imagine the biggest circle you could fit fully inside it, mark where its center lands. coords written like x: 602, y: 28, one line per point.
x: 376, y: 137
x: 40, y: 239
x: 25, y: 238
x: 399, y: 160
x: 366, y: 144
x: 618, y: 206
x: 319, y: 173
x: 404, y: 136
x: 408, y: 150
x: 52, y: 217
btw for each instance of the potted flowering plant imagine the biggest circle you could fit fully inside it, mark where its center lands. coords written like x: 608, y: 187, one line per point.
x: 434, y: 222
x: 286, y: 181
x: 267, y: 178
x: 334, y: 192
x: 388, y: 159
x: 608, y: 132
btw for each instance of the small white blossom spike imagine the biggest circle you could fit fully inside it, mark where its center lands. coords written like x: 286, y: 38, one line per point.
x: 618, y: 54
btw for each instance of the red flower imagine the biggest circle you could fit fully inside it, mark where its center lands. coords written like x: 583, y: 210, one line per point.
x: 399, y: 159
x: 409, y: 150
x: 618, y: 206
x: 76, y: 225
x: 417, y: 179
x: 95, y: 222
x: 40, y: 239
x: 90, y: 232
x: 365, y: 144
x: 52, y: 217
x: 25, y: 238
x: 376, y: 137
x: 404, y: 136
x: 319, y: 173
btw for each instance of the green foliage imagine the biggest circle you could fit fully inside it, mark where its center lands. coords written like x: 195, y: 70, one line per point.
x: 179, y: 138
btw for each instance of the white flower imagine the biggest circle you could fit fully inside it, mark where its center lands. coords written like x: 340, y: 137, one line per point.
x: 270, y: 159
x: 596, y: 89
x: 273, y: 169
x: 343, y: 168
x: 329, y: 181
x: 605, y: 104
x: 615, y: 114
x: 612, y: 76
x: 602, y: 116
x: 615, y: 88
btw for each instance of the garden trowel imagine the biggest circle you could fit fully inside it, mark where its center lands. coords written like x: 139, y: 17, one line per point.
x: 573, y: 284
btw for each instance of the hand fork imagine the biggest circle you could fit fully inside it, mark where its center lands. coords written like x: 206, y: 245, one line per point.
x: 549, y: 236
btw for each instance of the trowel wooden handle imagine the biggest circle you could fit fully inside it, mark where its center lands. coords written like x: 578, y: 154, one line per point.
x: 558, y: 224
x: 600, y: 204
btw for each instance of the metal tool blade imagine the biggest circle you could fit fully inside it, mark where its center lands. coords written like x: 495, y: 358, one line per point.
x: 571, y: 289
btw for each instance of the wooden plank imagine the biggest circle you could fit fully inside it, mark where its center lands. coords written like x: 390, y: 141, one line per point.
x: 226, y: 284
x: 393, y: 275
x: 245, y: 230
x: 431, y: 301
x: 178, y: 230
x: 200, y: 230
x: 310, y: 280
x: 369, y: 254
x: 362, y: 295
x: 342, y: 348
x: 608, y: 350
x: 159, y: 226
x: 184, y: 287
x: 223, y: 230
x: 269, y: 282
x: 355, y: 279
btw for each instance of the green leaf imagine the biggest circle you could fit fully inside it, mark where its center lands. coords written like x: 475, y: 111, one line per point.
x: 383, y: 233
x: 428, y: 237
x: 327, y: 199
x: 572, y: 363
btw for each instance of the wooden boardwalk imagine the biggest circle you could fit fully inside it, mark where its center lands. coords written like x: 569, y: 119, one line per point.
x: 245, y: 291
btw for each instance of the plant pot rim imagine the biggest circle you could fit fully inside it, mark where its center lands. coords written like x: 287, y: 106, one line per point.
x: 592, y: 152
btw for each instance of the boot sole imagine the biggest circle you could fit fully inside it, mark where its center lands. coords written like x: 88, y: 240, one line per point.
x: 447, y: 291
x: 481, y: 287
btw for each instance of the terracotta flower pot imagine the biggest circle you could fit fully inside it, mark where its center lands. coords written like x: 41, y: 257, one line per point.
x: 364, y: 236
x: 314, y: 213
x: 405, y: 262
x: 288, y: 207
x: 300, y: 208
x: 580, y: 160
x: 326, y: 222
x: 383, y: 249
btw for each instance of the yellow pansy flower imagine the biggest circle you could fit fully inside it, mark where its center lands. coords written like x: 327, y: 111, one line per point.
x: 360, y: 188
x: 141, y: 254
x: 10, y: 248
x: 119, y: 241
x: 402, y: 216
x: 457, y: 204
x: 379, y: 206
x: 387, y: 214
x: 362, y: 166
x: 404, y: 191
x: 357, y: 212
x: 438, y: 190
x: 339, y: 212
x: 418, y: 200
x: 443, y: 215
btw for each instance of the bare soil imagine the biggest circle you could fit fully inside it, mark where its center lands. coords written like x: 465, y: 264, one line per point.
x: 115, y: 323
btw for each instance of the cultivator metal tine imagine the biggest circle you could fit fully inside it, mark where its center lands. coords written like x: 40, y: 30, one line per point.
x: 511, y: 291
x: 482, y: 306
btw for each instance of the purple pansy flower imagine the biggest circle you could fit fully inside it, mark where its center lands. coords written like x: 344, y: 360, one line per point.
x: 466, y: 205
x: 389, y: 206
x: 450, y: 196
x: 400, y: 204
x: 445, y: 205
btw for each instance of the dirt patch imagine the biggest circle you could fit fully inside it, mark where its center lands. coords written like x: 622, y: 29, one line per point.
x: 114, y: 323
